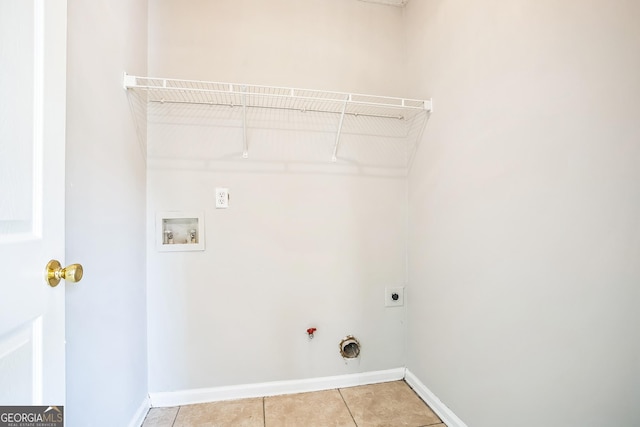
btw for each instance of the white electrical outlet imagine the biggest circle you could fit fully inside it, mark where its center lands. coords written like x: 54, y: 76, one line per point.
x: 394, y: 297
x: 222, y: 198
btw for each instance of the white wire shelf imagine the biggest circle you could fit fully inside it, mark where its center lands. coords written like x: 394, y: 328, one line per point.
x: 174, y: 91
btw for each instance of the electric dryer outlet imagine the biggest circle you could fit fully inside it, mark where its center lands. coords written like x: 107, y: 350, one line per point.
x: 394, y: 297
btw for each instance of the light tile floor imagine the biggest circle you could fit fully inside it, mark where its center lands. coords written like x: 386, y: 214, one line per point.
x: 392, y: 404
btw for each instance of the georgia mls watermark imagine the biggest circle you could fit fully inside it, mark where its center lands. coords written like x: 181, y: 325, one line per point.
x: 31, y: 416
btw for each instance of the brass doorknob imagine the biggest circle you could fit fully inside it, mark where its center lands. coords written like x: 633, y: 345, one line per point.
x: 54, y: 273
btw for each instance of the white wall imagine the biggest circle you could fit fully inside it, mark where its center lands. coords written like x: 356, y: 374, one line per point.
x: 338, y: 45
x: 524, y: 206
x: 105, y: 205
x: 291, y: 252
x: 304, y: 242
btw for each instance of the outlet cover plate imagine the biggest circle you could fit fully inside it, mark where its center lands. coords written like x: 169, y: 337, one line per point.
x: 222, y: 198
x: 394, y: 296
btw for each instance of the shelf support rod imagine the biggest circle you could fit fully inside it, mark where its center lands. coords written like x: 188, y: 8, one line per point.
x: 245, y: 146
x: 334, y: 158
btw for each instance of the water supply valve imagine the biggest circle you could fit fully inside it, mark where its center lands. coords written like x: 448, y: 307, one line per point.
x: 310, y: 332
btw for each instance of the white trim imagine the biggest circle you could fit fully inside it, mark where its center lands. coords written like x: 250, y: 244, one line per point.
x: 214, y: 394
x: 446, y: 415
x: 141, y: 413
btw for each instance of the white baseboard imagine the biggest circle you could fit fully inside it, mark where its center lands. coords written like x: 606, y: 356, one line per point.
x: 141, y: 413
x: 188, y: 397
x: 445, y: 414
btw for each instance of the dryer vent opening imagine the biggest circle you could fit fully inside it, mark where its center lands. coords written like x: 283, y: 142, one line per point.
x: 349, y: 347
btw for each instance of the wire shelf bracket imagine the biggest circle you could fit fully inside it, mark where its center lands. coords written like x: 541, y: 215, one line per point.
x: 334, y: 157
x: 245, y: 144
x: 164, y: 90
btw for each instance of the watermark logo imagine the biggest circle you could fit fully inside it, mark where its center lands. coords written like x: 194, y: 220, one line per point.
x: 31, y: 416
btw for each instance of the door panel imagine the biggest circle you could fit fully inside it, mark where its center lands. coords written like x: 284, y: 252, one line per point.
x: 32, y: 133
x: 20, y: 356
x: 17, y: 37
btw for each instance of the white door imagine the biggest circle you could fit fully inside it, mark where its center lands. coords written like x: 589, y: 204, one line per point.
x: 32, y: 139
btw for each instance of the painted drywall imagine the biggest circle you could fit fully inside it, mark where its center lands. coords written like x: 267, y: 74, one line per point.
x: 105, y: 206
x: 523, y: 211
x: 338, y: 45
x: 292, y: 251
x: 304, y: 243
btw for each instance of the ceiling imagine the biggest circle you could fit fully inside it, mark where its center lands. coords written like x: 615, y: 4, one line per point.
x: 399, y: 3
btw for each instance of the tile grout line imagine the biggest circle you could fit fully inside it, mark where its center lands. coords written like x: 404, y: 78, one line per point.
x: 264, y: 413
x: 348, y: 409
x: 176, y: 417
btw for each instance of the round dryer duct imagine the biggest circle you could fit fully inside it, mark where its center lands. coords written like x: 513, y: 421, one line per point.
x: 349, y: 347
